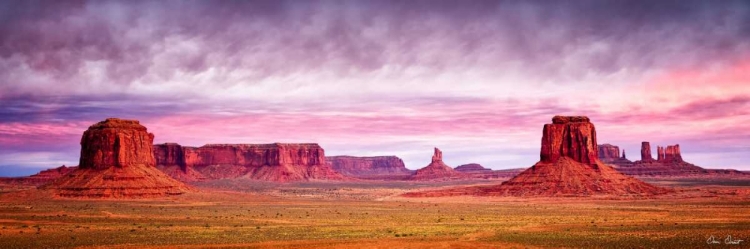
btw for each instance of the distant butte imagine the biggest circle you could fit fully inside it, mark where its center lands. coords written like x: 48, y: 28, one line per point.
x: 437, y: 170
x: 668, y: 163
x: 369, y: 167
x: 472, y: 168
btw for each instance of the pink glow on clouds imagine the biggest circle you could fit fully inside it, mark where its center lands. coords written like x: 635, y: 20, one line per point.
x: 477, y: 80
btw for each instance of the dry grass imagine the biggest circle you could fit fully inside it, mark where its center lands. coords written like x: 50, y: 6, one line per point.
x: 354, y: 216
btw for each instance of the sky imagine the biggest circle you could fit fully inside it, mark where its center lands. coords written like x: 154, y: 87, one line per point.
x: 477, y: 79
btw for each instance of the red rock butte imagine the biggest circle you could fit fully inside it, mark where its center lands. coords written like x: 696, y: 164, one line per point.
x: 472, y: 168
x: 368, y: 167
x: 668, y: 163
x: 573, y: 137
x: 116, y: 162
x: 116, y: 143
x: 608, y: 152
x: 437, y: 170
x: 568, y: 166
x: 277, y: 162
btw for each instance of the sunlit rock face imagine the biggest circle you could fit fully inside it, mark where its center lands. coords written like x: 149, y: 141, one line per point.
x: 278, y: 162
x: 116, y: 143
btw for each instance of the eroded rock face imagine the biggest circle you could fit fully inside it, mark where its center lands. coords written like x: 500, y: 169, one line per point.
x: 368, y: 166
x: 269, y: 162
x: 672, y: 153
x: 646, y: 152
x: 52, y: 174
x: 169, y: 154
x: 437, y: 170
x: 117, y: 161
x: 437, y: 156
x: 472, y: 168
x: 669, y: 163
x: 568, y: 167
x: 573, y: 137
x: 255, y: 155
x: 608, y: 152
x: 116, y: 143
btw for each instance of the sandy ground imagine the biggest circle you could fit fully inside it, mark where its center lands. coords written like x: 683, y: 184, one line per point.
x: 236, y: 214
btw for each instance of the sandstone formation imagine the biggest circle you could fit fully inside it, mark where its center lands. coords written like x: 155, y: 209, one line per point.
x: 646, y: 152
x: 572, y: 137
x: 672, y: 153
x: 472, y: 168
x: 116, y: 143
x: 608, y: 152
x: 41, y: 178
x: 276, y: 162
x: 568, y: 166
x: 170, y: 154
x: 477, y: 171
x: 368, y: 167
x: 48, y: 175
x: 668, y: 163
x: 116, y: 161
x: 437, y: 170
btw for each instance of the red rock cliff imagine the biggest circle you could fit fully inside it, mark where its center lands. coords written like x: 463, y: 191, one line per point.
x: 254, y: 155
x: 672, y: 153
x: 573, y: 137
x: 608, y: 152
x: 368, y: 166
x: 169, y: 154
x: 116, y: 143
x: 646, y: 152
x: 269, y: 162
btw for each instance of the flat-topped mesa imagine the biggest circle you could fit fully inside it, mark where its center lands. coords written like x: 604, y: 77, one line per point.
x: 608, y: 152
x: 368, y: 166
x: 472, y: 167
x: 116, y: 143
x: 569, y: 136
x: 570, y: 119
x: 280, y: 162
x: 646, y: 152
x: 252, y: 155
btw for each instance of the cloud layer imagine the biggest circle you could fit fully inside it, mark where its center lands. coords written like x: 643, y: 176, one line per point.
x: 477, y: 79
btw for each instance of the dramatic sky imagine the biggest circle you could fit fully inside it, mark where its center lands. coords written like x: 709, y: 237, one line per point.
x: 478, y: 79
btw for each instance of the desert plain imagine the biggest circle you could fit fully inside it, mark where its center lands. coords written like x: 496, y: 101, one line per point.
x: 372, y: 214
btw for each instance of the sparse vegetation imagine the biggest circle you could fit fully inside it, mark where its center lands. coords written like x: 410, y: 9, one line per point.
x: 242, y: 218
